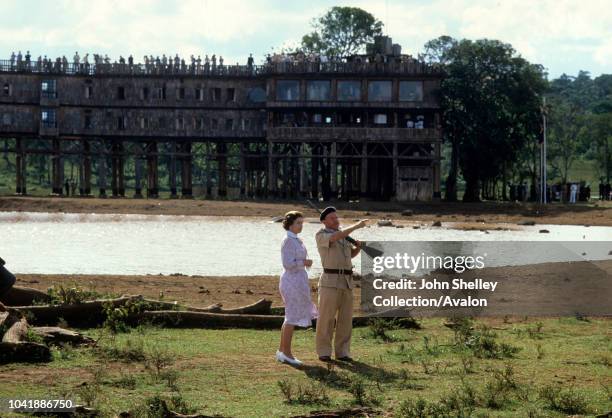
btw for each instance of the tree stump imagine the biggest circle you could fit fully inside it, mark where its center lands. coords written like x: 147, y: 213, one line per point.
x: 15, y: 344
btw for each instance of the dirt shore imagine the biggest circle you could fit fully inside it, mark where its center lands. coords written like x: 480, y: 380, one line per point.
x: 599, y: 213
x: 554, y: 283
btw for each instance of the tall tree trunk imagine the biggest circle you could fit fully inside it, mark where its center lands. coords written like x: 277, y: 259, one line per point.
x: 504, y: 196
x: 472, y: 188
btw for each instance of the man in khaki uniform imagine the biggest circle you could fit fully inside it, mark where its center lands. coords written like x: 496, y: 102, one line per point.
x: 335, y: 286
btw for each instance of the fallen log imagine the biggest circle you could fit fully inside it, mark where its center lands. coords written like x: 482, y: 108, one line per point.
x: 4, y: 318
x: 261, y: 307
x: 27, y: 352
x: 160, y: 305
x: 187, y: 319
x: 13, y: 345
x: 90, y: 313
x: 17, y: 329
x: 57, y: 335
x: 167, y: 413
x: 16, y: 343
x: 341, y: 413
x: 20, y: 296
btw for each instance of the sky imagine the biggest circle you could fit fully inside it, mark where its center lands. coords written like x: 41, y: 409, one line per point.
x: 565, y: 36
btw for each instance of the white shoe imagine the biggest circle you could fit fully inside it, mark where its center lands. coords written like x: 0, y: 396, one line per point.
x: 280, y: 356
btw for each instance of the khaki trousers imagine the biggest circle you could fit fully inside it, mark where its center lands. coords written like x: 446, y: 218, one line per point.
x: 335, y: 310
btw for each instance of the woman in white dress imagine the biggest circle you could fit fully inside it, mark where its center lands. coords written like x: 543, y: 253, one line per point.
x: 294, y: 287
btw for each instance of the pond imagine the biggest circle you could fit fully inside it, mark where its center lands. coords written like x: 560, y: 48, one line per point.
x: 61, y: 243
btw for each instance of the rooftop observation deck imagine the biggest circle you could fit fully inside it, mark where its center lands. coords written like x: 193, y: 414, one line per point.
x: 409, y: 67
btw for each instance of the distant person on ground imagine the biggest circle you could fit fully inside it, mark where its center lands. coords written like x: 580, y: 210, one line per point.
x: 573, y: 192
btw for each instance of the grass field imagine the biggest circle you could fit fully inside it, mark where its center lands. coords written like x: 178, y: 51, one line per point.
x: 485, y: 368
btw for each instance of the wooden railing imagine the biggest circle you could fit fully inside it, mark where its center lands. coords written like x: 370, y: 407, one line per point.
x: 352, y: 133
x: 411, y: 67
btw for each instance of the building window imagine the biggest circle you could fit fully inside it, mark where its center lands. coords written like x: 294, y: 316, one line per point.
x: 88, y: 92
x: 229, y: 124
x: 214, y: 123
x: 317, y: 118
x: 318, y: 90
x: 6, y: 119
x: 49, y: 89
x: 287, y: 90
x: 231, y: 95
x: 380, y: 119
x: 199, y: 93
x: 6, y: 89
x: 161, y: 122
x: 87, y: 123
x: 120, y: 93
x: 198, y: 123
x: 411, y: 91
x: 379, y: 91
x: 180, y: 122
x: 246, y: 124
x: 216, y: 94
x: 161, y: 93
x: 180, y: 93
x: 144, y: 122
x: 256, y: 95
x: 144, y: 93
x: 349, y: 90
x: 121, y: 122
x: 48, y: 118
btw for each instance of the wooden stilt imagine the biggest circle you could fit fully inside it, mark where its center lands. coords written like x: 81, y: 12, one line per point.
x: 314, y: 177
x: 85, y: 169
x: 117, y: 179
x: 172, y: 170
x: 271, y: 172
x: 186, y: 171
x: 302, y: 171
x: 209, y: 171
x: 242, y: 171
x: 333, y: 168
x: 20, y: 168
x: 364, y: 171
x: 152, y: 174
x: 102, y: 170
x: 222, y: 167
x: 57, y: 172
x: 138, y: 174
x: 395, y: 175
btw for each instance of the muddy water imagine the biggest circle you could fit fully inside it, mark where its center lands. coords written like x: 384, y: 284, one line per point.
x: 198, y: 245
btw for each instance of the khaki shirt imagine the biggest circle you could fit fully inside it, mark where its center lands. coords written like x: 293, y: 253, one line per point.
x: 334, y: 255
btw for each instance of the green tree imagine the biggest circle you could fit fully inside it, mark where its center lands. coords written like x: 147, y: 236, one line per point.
x: 491, y: 102
x: 341, y: 32
x: 565, y: 125
x: 600, y: 136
